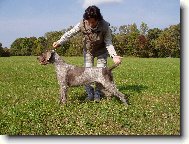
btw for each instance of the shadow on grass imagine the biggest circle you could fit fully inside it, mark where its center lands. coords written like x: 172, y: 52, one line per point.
x: 134, y: 88
x: 130, y: 88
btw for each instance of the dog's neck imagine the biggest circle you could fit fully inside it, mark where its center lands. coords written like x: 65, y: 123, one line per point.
x: 57, y: 59
x: 60, y: 64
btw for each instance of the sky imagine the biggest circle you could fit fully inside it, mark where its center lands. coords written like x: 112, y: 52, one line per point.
x: 27, y: 18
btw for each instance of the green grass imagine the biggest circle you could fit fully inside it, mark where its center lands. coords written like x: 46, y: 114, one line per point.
x: 29, y: 100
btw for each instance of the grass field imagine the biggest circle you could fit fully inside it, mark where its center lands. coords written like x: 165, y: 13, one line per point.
x: 29, y: 100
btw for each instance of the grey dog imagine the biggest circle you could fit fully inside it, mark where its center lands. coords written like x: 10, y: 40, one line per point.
x: 69, y: 75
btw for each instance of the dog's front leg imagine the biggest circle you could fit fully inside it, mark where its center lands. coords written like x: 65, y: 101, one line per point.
x: 63, y: 86
x: 63, y: 96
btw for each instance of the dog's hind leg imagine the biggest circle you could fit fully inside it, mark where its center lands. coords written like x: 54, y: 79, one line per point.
x: 111, y: 88
x: 103, y: 90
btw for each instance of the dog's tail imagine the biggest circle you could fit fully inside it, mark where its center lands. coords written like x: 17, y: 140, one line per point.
x: 113, y: 67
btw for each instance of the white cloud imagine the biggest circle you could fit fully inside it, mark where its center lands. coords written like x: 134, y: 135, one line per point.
x: 87, y: 3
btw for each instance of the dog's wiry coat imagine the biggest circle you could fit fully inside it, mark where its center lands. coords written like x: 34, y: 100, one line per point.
x: 70, y: 75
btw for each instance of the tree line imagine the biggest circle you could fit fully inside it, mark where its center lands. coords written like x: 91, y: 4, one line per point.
x: 4, y: 52
x: 128, y: 40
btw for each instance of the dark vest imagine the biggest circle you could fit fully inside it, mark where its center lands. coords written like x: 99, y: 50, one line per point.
x: 94, y: 38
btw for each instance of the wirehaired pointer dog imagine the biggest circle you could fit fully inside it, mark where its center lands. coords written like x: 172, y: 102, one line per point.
x: 70, y: 75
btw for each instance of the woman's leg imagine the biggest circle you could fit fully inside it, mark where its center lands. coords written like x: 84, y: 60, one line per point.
x: 101, y: 62
x: 89, y: 62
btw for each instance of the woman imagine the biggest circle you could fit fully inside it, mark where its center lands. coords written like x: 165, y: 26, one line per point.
x: 97, y: 43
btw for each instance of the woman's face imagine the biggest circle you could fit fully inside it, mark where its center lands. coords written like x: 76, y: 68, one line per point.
x: 92, y: 22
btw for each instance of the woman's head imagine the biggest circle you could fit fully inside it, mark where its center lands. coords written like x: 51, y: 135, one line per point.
x: 92, y: 15
x: 92, y: 12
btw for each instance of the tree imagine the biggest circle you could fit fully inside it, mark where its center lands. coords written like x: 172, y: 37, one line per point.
x: 143, y: 28
x: 6, y: 52
x: 15, y: 48
x: 113, y: 29
x: 23, y: 46
x: 124, y: 29
x: 152, y: 35
x: 119, y: 42
x: 1, y: 49
x: 52, y: 37
x: 40, y: 46
x: 127, y: 40
x: 142, y: 49
x: 168, y: 43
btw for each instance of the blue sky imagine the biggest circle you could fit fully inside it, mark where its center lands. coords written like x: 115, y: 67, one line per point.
x: 26, y: 18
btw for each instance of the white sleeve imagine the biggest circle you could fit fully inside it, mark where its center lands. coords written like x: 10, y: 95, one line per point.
x: 108, y: 42
x: 69, y: 34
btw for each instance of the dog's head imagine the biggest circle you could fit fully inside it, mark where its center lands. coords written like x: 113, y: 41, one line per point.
x: 46, y: 57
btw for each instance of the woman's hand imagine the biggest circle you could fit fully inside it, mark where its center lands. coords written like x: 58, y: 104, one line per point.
x: 117, y: 59
x: 56, y: 44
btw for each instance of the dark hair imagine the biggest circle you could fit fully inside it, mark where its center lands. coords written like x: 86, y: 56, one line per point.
x: 92, y: 12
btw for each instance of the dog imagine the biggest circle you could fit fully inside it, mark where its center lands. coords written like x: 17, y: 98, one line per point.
x: 69, y: 75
